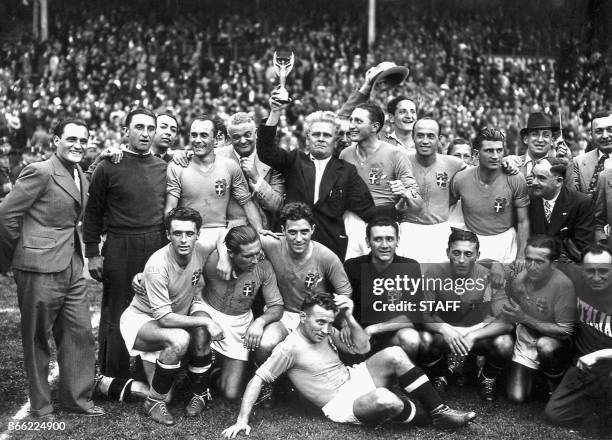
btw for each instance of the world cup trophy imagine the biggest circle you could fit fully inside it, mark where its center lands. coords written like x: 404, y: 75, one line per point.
x: 283, y: 63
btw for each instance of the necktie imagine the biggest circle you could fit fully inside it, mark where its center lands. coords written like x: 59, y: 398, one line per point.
x: 598, y: 169
x: 77, y: 179
x: 547, y: 210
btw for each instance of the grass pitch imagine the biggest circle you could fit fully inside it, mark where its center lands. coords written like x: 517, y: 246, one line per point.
x: 292, y: 418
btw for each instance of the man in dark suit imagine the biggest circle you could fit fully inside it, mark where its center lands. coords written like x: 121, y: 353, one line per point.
x: 329, y: 186
x: 266, y: 184
x: 559, y: 212
x: 588, y: 166
x: 38, y: 232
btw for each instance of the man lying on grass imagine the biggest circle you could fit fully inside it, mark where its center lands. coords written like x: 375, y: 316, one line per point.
x: 358, y: 394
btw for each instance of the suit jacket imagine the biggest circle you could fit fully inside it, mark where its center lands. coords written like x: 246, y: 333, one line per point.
x: 39, y: 218
x: 269, y: 196
x: 603, y: 205
x: 571, y: 219
x: 341, y: 189
x: 584, y: 167
x: 521, y: 162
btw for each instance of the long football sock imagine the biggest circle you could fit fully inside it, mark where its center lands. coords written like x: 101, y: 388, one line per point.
x: 162, y: 379
x: 416, y: 384
x: 198, y: 372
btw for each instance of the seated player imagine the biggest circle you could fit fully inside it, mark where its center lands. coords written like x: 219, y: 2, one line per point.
x: 368, y: 275
x: 543, y: 306
x: 463, y: 305
x: 229, y: 304
x: 358, y: 394
x: 170, y: 320
x: 588, y: 380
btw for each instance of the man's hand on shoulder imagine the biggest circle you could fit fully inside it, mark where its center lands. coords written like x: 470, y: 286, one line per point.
x: 182, y: 157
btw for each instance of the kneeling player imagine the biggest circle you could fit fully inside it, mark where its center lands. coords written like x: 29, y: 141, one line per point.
x: 358, y: 394
x: 543, y: 306
x: 380, y: 279
x: 469, y: 327
x: 229, y: 304
x: 169, y: 319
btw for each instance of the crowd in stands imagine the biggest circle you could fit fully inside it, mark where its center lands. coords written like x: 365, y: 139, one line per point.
x: 219, y: 61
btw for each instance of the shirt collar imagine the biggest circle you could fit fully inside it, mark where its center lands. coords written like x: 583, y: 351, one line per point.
x: 553, y: 200
x: 250, y: 156
x: 319, y: 161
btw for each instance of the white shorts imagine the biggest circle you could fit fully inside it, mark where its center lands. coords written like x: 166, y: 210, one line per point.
x: 340, y: 408
x: 501, y: 247
x: 132, y: 321
x: 356, y: 233
x: 525, y: 351
x: 455, y: 216
x: 209, y: 235
x: 290, y: 320
x: 234, y: 328
x: 424, y: 243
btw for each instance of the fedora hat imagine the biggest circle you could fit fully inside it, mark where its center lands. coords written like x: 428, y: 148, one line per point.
x: 389, y: 75
x: 537, y: 121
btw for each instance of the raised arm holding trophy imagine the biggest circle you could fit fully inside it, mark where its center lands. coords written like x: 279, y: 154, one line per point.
x: 283, y: 64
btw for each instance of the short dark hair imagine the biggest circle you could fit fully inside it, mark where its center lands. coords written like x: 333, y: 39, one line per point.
x: 557, y: 166
x: 322, y: 299
x: 296, y: 211
x: 392, y: 105
x: 139, y: 111
x: 376, y: 113
x: 58, y: 130
x: 220, y: 127
x: 458, y: 141
x: 596, y: 249
x: 546, y: 242
x: 382, y: 221
x: 183, y: 213
x: 240, y: 235
x: 600, y: 114
x: 488, y: 134
x: 168, y: 115
x: 462, y: 235
x: 205, y: 118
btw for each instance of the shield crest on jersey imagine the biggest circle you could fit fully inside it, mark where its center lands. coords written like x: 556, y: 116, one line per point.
x: 374, y: 176
x: 220, y: 187
x: 500, y: 204
x: 312, y: 279
x: 249, y: 288
x: 195, y: 278
x: 394, y: 295
x: 442, y: 179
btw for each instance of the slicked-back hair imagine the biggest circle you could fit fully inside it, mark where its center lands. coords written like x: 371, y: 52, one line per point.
x: 545, y: 242
x: 462, y: 235
x: 321, y: 116
x: 183, y: 213
x: 295, y: 211
x: 375, y: 113
x: 488, y: 134
x: 169, y: 115
x: 601, y: 114
x: 139, y: 111
x: 392, y: 105
x: 205, y: 118
x: 321, y: 299
x: 557, y: 166
x: 382, y: 221
x: 58, y: 130
x: 596, y: 249
x: 240, y: 235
